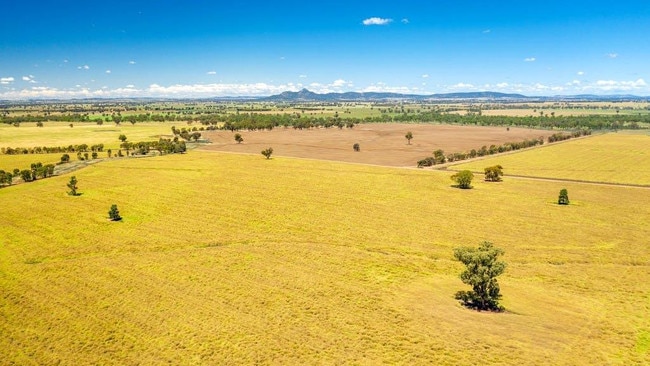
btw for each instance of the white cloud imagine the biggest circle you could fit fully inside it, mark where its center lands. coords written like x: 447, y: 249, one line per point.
x: 26, y: 78
x: 612, y: 85
x: 131, y: 62
x: 424, y: 76
x: 405, y: 21
x: 7, y: 80
x: 339, y: 83
x: 612, y: 55
x: 383, y: 88
x: 502, y: 85
x: 84, y: 67
x: 108, y: 71
x: 580, y: 73
x: 462, y: 86
x: 487, y: 31
x: 303, y: 76
x: 530, y: 59
x: 377, y: 21
x: 212, y: 73
x: 65, y: 61
x: 130, y: 86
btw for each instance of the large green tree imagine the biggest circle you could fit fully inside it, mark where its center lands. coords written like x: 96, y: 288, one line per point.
x: 72, y: 186
x: 493, y: 173
x: 463, y: 179
x: 482, y: 266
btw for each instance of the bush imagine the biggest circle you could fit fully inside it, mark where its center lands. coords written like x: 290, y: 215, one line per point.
x: 267, y: 152
x: 114, y: 214
x: 493, y: 173
x: 463, y: 179
x: 356, y: 147
x: 563, y: 199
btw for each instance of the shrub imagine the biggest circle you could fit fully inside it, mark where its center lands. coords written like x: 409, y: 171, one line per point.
x: 563, y: 199
x: 463, y: 179
x: 114, y: 213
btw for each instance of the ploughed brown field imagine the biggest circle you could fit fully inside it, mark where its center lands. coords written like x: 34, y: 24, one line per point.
x: 380, y: 144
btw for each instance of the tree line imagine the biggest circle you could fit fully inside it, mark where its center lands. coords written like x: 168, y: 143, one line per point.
x: 439, y: 156
x: 258, y: 121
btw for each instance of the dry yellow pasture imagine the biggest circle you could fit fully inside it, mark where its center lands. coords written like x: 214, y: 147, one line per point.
x: 61, y: 134
x: 611, y: 158
x: 235, y: 259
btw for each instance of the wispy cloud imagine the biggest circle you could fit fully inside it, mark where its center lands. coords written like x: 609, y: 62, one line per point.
x: 211, y: 73
x: 425, y: 76
x: 487, y: 31
x: 7, y: 80
x: 612, y: 55
x: 303, y: 76
x: 530, y: 59
x: 131, y: 62
x: 405, y: 21
x: 580, y: 73
x: 377, y: 21
x: 84, y: 67
x: 465, y: 86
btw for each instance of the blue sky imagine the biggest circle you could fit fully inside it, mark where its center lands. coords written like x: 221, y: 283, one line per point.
x: 76, y: 49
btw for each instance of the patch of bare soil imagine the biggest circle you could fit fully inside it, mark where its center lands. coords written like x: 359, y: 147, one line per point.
x: 380, y: 144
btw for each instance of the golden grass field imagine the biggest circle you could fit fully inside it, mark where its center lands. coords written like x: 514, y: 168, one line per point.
x: 611, y: 158
x: 61, y: 134
x: 234, y: 259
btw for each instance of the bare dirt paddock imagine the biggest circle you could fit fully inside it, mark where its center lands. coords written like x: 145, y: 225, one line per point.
x: 380, y: 144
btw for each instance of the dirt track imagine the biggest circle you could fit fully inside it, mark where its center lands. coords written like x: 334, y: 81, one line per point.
x: 381, y: 144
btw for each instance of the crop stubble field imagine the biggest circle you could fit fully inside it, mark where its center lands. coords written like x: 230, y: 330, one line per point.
x: 381, y: 144
x: 225, y: 258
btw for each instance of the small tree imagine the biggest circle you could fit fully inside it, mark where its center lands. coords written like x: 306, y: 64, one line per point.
x: 356, y: 147
x: 72, y: 185
x: 267, y: 152
x: 238, y: 138
x: 114, y: 214
x: 39, y: 124
x: 409, y: 136
x: 482, y: 268
x: 122, y: 137
x: 463, y: 179
x: 563, y: 199
x: 493, y: 173
x: 65, y: 158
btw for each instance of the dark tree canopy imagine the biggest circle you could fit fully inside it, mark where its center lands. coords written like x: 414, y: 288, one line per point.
x: 409, y: 136
x: 72, y: 186
x: 238, y: 138
x: 267, y: 152
x: 356, y: 147
x: 563, y: 199
x: 463, y: 179
x: 493, y: 173
x: 114, y: 213
x: 482, y: 268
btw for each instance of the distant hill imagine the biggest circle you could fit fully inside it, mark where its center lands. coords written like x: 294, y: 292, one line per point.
x: 305, y: 95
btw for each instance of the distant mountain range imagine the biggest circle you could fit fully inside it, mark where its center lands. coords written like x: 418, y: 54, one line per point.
x: 305, y: 95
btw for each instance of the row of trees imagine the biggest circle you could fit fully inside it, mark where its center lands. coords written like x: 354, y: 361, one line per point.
x: 440, y: 158
x: 257, y: 121
x: 51, y: 149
